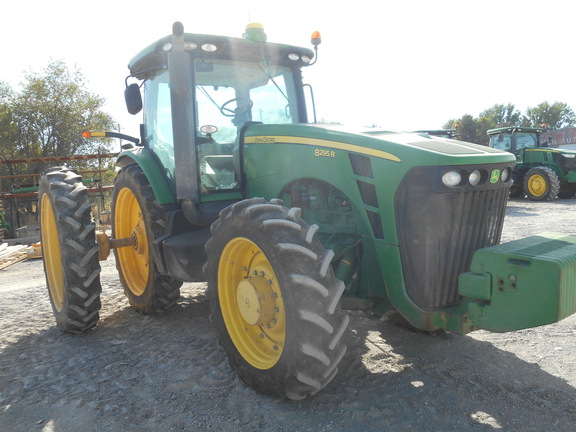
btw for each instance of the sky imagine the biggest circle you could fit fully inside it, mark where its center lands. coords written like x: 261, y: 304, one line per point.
x: 400, y: 65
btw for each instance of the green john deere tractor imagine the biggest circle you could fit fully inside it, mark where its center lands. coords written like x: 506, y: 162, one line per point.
x: 290, y: 222
x: 541, y: 173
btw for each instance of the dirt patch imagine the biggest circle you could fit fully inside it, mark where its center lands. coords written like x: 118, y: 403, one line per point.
x: 168, y: 373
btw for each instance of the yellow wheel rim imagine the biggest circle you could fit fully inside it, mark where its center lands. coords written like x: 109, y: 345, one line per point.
x: 51, y: 253
x: 251, y: 303
x: 537, y: 185
x: 129, y: 222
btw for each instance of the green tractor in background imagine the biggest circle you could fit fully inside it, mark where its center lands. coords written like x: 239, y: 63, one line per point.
x: 5, y: 229
x: 542, y: 173
x: 292, y: 222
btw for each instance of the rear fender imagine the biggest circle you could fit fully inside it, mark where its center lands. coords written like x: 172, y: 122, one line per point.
x: 153, y: 171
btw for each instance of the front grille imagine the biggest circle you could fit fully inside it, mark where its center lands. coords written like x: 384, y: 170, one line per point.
x: 439, y: 229
x: 566, y: 164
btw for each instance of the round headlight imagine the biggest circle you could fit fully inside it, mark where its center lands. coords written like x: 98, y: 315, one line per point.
x: 208, y: 47
x: 505, y: 175
x: 475, y: 177
x: 451, y: 178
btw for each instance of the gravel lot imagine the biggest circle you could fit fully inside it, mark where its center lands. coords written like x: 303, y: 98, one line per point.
x: 168, y: 373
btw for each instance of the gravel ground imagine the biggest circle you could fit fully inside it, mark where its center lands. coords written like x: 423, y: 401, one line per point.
x: 168, y: 373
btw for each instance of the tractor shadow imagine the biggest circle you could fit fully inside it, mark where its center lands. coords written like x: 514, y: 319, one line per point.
x: 447, y: 382
x: 392, y: 378
x: 129, y: 362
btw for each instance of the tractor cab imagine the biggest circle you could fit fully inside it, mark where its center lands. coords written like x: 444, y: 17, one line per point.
x: 514, y: 139
x: 201, y: 93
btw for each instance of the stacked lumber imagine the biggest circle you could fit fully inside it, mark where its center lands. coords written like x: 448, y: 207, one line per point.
x: 12, y: 254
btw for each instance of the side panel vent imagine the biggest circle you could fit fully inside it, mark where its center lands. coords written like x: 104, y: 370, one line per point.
x: 368, y: 193
x: 376, y: 224
x: 361, y: 165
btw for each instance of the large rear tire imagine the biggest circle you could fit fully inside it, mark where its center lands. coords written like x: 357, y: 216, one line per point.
x: 274, y: 299
x: 136, y: 213
x: 70, y: 250
x: 541, y: 184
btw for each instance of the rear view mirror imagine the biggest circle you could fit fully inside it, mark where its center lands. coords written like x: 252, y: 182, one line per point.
x: 133, y: 99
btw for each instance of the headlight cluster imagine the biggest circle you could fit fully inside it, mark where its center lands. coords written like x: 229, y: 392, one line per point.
x: 476, y: 177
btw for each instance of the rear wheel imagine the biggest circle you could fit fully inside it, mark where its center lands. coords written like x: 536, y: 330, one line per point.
x: 70, y: 250
x: 137, y: 214
x: 541, y: 184
x: 274, y: 299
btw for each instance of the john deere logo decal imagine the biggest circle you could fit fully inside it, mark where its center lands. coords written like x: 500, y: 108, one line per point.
x: 495, y: 176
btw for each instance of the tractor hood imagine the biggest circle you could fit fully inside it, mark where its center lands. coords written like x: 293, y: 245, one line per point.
x: 397, y: 146
x: 571, y: 153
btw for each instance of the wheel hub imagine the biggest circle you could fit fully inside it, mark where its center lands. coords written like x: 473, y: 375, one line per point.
x: 537, y: 185
x: 139, y: 233
x: 255, y: 301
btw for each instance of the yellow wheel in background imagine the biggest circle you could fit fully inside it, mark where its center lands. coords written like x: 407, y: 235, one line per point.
x: 541, y: 184
x: 537, y: 185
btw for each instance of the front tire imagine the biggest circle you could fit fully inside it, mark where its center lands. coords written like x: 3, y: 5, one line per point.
x: 541, y: 184
x: 274, y: 299
x: 70, y: 250
x: 135, y: 213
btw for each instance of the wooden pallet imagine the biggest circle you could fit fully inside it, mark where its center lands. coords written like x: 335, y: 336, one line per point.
x: 12, y: 255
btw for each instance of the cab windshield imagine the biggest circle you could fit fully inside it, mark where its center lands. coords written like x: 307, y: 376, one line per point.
x: 231, y: 93
x: 514, y: 142
x: 228, y: 94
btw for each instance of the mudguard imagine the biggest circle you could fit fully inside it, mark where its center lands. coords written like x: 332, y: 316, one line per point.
x: 153, y: 171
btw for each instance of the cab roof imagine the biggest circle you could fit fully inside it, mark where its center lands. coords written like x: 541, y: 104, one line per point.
x: 154, y: 57
x: 510, y: 129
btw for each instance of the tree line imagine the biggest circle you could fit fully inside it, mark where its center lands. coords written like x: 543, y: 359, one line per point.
x: 47, y: 116
x: 557, y: 115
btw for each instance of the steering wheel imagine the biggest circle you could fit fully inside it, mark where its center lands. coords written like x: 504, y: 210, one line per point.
x: 242, y: 104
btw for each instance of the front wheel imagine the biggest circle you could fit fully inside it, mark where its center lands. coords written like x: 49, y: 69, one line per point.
x: 69, y: 249
x: 541, y: 184
x: 274, y: 299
